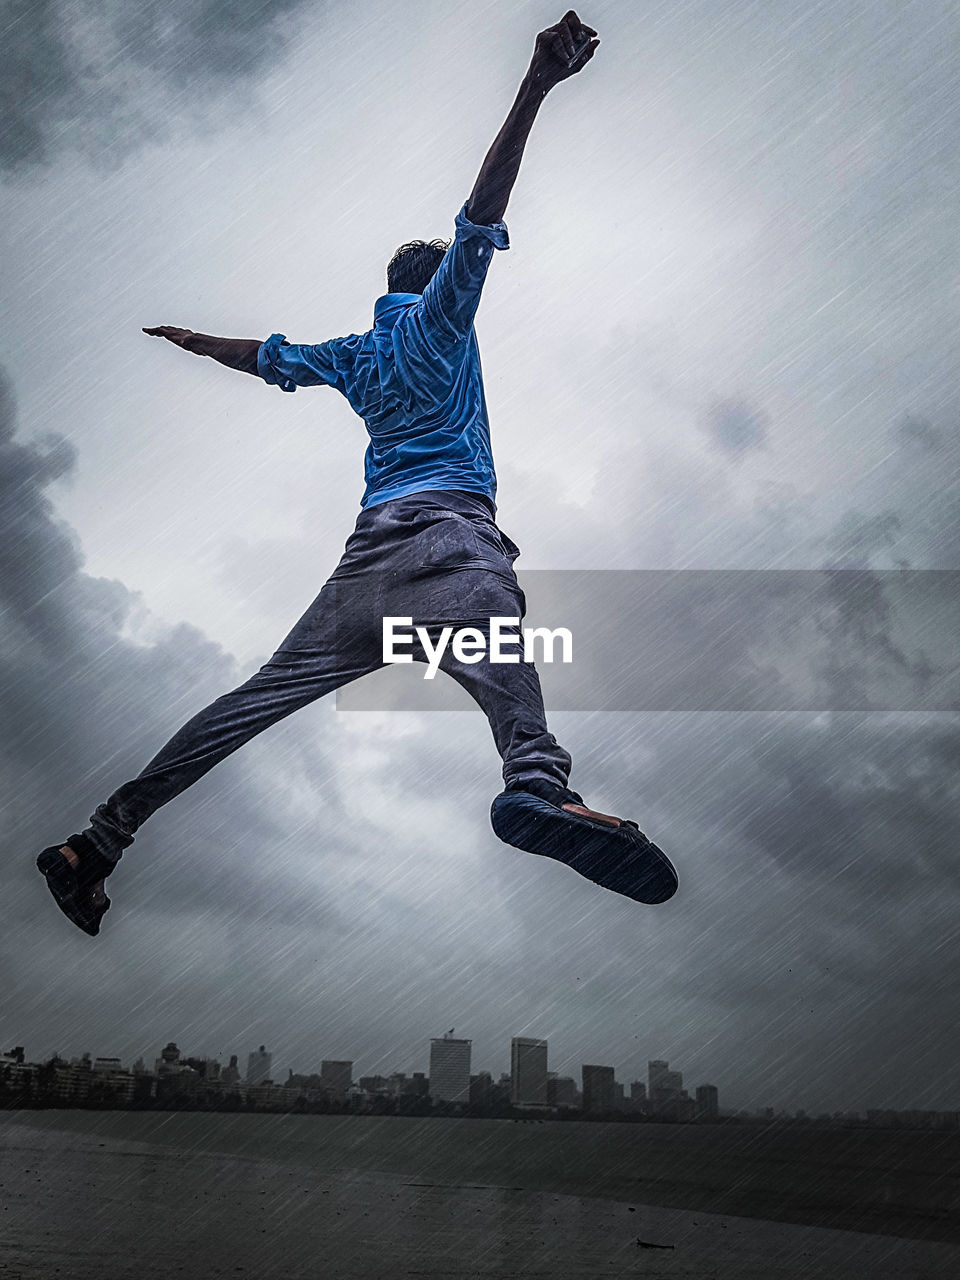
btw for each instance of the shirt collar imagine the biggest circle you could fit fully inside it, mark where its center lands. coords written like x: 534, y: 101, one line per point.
x: 389, y: 307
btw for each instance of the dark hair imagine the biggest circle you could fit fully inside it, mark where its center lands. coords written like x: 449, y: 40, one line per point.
x: 412, y: 266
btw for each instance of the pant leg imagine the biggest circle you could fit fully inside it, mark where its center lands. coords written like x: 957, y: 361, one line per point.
x: 509, y: 695
x: 330, y: 646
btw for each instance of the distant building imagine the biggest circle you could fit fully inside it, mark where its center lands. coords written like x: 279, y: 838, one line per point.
x: 70, y: 1081
x: 259, y: 1066
x: 656, y: 1071
x: 598, y: 1088
x: 19, y: 1080
x: 231, y: 1074
x: 374, y: 1084
x: 450, y: 1069
x: 418, y: 1086
x: 111, y: 1080
x: 489, y: 1094
x: 337, y: 1077
x: 172, y: 1075
x: 666, y: 1088
x: 528, y: 1072
x: 638, y: 1094
x: 481, y: 1089
x: 267, y: 1096
x: 562, y: 1091
x: 169, y: 1060
x: 708, y: 1102
x: 910, y: 1119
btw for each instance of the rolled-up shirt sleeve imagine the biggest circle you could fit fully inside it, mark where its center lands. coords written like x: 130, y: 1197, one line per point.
x: 288, y: 366
x: 451, y: 298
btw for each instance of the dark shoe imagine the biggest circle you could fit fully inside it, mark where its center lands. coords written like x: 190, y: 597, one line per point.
x: 612, y: 852
x: 78, y: 891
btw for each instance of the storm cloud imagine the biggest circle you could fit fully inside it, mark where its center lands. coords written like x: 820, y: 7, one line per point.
x: 102, y: 78
x: 736, y: 426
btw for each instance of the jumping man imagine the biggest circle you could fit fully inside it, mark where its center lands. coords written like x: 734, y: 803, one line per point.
x: 426, y: 546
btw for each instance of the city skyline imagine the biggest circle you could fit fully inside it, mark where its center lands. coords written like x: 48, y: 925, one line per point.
x: 528, y: 1085
x: 179, y: 1082
x: 653, y: 1076
x: 652, y: 1073
x: 660, y: 1096
x: 259, y: 1062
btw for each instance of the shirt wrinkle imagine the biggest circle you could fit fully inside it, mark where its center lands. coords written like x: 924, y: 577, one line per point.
x: 414, y: 378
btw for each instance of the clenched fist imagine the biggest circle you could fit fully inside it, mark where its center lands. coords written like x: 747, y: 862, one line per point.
x: 561, y: 51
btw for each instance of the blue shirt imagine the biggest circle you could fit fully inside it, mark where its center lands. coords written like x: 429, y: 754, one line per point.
x: 414, y: 377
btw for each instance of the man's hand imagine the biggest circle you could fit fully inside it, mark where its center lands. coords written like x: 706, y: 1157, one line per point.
x: 177, y: 336
x: 561, y: 51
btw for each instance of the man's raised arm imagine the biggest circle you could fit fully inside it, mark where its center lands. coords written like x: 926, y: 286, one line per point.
x: 560, y: 52
x: 235, y: 353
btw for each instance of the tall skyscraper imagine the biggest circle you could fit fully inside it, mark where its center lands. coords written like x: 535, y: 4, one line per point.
x: 666, y: 1090
x: 259, y: 1066
x: 528, y: 1072
x: 598, y: 1088
x: 672, y: 1085
x: 656, y: 1073
x: 450, y: 1069
x: 708, y: 1102
x: 336, y: 1077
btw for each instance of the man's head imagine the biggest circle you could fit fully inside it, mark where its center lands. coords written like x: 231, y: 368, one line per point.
x: 412, y: 266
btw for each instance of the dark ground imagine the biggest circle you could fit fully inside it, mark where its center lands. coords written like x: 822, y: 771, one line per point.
x: 115, y: 1194
x: 896, y: 1182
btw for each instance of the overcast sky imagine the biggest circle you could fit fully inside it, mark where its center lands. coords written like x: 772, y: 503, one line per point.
x: 724, y: 336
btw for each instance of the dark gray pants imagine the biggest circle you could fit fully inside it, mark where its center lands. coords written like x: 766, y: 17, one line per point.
x: 437, y: 557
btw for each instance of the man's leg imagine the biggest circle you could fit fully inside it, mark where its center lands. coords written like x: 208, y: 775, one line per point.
x: 321, y: 653
x: 509, y: 695
x: 332, y: 644
x: 536, y: 812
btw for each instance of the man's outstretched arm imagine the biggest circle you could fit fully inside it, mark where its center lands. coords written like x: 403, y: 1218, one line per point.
x: 560, y: 52
x: 235, y: 353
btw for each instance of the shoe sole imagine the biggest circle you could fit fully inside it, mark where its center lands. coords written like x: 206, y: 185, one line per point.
x: 620, y: 859
x: 62, y: 882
